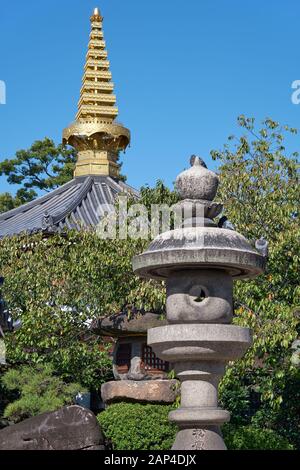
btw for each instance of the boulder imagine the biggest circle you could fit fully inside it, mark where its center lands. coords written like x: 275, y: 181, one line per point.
x: 154, y: 391
x: 70, y: 428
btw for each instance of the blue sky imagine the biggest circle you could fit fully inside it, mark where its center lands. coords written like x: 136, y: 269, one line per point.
x: 183, y: 72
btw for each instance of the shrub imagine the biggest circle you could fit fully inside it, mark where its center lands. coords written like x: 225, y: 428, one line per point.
x: 39, y: 391
x: 6, y: 397
x: 138, y: 427
x: 252, y: 438
x: 131, y: 426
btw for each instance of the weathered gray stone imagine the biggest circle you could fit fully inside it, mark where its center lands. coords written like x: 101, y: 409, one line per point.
x: 191, y: 342
x: 206, y: 438
x: 199, y: 248
x: 199, y: 297
x: 70, y: 428
x: 123, y: 325
x: 136, y: 367
x: 207, y: 209
x: 199, y: 416
x: 135, y: 372
x: 156, y: 391
x: 197, y: 182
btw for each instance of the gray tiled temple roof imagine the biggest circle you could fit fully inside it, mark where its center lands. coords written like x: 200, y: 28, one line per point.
x: 79, y: 203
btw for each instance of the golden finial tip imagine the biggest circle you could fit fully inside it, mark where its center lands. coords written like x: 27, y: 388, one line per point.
x: 96, y: 16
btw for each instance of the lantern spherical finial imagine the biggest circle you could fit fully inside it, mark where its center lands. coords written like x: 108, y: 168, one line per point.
x: 197, y: 182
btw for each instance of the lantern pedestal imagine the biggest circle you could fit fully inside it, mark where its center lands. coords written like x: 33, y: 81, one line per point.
x: 199, y: 353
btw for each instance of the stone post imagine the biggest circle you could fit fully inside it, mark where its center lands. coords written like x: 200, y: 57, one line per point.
x: 199, y: 261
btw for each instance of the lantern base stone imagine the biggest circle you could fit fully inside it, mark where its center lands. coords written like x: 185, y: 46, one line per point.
x: 205, y: 438
x: 145, y: 391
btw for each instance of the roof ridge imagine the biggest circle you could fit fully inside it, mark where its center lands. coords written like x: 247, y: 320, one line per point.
x: 81, y: 194
x: 28, y: 205
x: 123, y: 186
x: 76, y: 204
x: 131, y: 188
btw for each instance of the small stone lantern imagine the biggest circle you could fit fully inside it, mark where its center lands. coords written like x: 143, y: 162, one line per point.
x: 199, y: 262
x: 132, y: 358
x: 140, y: 376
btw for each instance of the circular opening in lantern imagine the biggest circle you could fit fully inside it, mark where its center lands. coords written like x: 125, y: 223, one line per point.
x: 199, y: 294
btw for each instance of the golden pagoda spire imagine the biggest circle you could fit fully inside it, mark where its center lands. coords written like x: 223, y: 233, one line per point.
x: 95, y: 133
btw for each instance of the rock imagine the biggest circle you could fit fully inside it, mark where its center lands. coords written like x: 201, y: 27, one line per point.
x: 4, y: 423
x: 70, y: 428
x: 156, y: 391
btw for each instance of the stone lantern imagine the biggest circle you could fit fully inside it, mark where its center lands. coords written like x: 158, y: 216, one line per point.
x: 139, y: 375
x: 199, y: 262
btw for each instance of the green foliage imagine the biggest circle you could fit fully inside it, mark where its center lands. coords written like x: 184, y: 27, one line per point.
x: 6, y: 396
x: 44, y: 166
x: 39, y: 391
x: 138, y: 427
x: 160, y: 194
x: 57, y: 288
x: 58, y: 285
x: 8, y: 202
x: 251, y: 438
x: 259, y: 185
x: 236, y: 399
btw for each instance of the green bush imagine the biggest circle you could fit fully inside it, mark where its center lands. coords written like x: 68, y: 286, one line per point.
x: 251, y: 438
x: 39, y: 391
x: 6, y: 396
x: 138, y: 427
x: 131, y: 426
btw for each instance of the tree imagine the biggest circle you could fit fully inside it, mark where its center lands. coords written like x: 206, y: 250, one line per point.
x: 43, y: 167
x: 8, y: 202
x: 259, y: 186
x: 39, y: 391
x: 58, y: 285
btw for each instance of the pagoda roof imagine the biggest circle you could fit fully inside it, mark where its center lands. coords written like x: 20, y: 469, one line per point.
x: 78, y: 204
